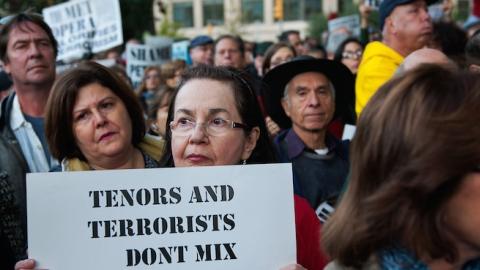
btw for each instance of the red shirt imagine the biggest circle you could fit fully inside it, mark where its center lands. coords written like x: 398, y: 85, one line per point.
x: 307, y: 224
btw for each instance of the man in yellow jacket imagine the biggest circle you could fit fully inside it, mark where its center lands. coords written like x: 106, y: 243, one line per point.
x: 406, y: 27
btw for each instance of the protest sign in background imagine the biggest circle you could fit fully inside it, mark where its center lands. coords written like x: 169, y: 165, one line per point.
x: 180, y: 51
x: 225, y: 217
x: 340, y: 29
x: 85, y: 26
x: 141, y: 56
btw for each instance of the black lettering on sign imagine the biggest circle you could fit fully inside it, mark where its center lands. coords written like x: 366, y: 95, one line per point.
x: 149, y: 256
x: 215, y: 252
x: 78, y: 10
x: 221, y: 193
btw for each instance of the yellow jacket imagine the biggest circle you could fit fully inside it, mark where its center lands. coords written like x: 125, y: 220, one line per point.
x: 379, y: 63
x: 149, y: 145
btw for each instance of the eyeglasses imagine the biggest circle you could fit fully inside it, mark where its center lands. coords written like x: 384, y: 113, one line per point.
x: 352, y: 55
x: 213, y: 127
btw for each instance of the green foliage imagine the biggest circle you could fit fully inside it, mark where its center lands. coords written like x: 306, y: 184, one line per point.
x: 15, y: 6
x: 347, y: 7
x: 137, y: 18
x: 461, y: 11
x: 170, y: 29
x: 137, y: 15
x: 317, y: 25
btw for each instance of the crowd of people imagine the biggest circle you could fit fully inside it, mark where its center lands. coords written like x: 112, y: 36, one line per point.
x: 404, y: 193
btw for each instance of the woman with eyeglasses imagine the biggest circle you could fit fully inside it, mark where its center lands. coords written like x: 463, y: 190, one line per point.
x: 214, y: 119
x: 349, y: 53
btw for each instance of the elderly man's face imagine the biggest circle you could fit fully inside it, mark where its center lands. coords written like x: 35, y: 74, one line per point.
x: 412, y: 24
x: 309, y: 102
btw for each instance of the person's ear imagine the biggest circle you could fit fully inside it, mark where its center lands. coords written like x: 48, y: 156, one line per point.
x: 6, y: 66
x: 390, y: 24
x: 286, y: 106
x: 251, y: 143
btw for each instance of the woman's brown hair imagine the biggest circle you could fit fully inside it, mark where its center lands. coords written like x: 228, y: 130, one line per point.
x: 59, y: 111
x: 415, y: 141
x: 274, y: 48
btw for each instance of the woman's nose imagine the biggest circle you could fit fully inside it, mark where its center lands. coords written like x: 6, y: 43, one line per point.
x: 199, y: 134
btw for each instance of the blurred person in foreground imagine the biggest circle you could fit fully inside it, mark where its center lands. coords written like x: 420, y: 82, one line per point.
x: 412, y: 201
x: 425, y: 56
x: 215, y: 120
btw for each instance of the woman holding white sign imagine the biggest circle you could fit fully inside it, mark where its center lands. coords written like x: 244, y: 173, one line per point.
x: 232, y: 132
x: 214, y: 119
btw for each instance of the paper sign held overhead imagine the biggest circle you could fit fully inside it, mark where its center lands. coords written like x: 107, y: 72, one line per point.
x: 85, y: 26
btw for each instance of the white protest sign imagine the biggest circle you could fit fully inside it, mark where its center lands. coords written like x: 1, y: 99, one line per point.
x: 341, y: 28
x: 224, y: 217
x: 158, y: 41
x: 140, y: 56
x: 348, y: 132
x: 180, y: 50
x: 85, y: 26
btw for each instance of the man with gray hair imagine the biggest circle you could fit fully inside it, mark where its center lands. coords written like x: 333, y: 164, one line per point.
x: 305, y: 93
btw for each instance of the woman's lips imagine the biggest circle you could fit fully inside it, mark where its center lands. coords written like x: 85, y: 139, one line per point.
x: 106, y: 136
x: 195, y: 158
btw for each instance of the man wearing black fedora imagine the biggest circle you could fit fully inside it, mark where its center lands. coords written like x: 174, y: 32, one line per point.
x: 302, y: 98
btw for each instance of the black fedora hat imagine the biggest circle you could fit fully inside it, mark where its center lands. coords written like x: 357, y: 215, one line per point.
x: 277, y: 78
